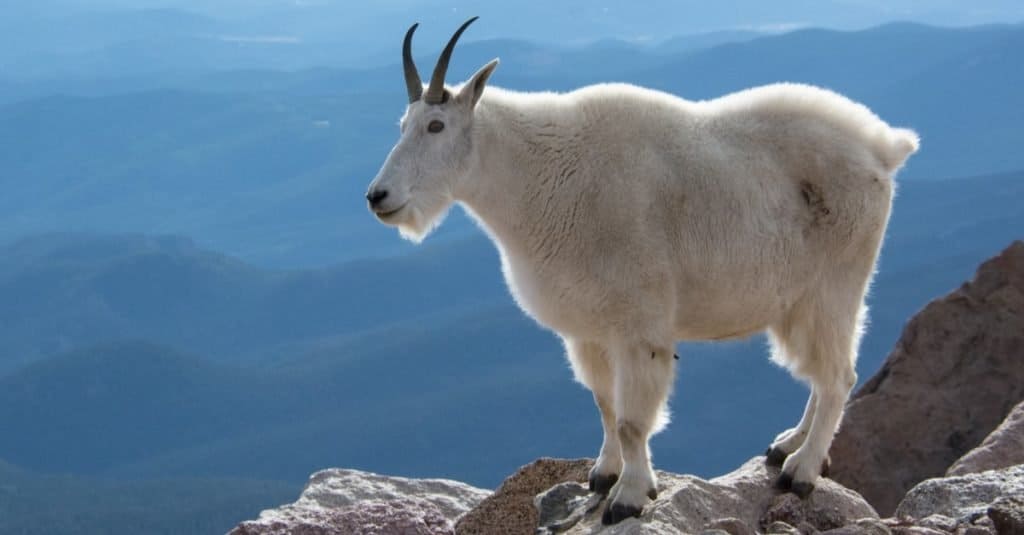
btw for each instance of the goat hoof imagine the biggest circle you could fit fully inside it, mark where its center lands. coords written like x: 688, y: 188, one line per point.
x: 783, y: 482
x: 602, y: 484
x: 826, y: 467
x: 802, y: 489
x: 652, y: 494
x: 775, y: 457
x: 617, y: 512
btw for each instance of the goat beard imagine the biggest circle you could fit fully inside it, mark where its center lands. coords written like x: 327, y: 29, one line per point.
x: 422, y: 219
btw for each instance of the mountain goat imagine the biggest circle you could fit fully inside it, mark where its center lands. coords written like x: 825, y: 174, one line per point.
x: 628, y: 219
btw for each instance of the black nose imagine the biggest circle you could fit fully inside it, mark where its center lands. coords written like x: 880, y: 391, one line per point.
x: 375, y: 196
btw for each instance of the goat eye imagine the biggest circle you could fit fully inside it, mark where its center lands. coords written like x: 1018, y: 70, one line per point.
x: 435, y: 127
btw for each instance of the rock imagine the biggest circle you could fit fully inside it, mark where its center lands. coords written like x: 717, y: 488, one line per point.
x: 864, y: 526
x: 351, y: 501
x: 781, y: 528
x: 741, y: 500
x: 1007, y: 514
x: 939, y: 522
x: 953, y: 376
x: 963, y: 498
x: 408, y: 516
x: 562, y: 506
x: 1003, y: 447
x: 510, y: 510
x: 984, y: 522
x: 791, y: 509
x: 916, y: 530
x: 731, y: 526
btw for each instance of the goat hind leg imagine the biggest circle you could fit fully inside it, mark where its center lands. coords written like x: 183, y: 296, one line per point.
x: 790, y: 440
x: 831, y: 342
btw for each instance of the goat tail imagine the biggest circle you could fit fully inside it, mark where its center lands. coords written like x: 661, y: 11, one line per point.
x: 895, y: 145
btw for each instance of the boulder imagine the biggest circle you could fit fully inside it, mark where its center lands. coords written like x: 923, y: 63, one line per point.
x: 1002, y: 448
x: 963, y: 498
x: 351, y: 501
x: 953, y: 376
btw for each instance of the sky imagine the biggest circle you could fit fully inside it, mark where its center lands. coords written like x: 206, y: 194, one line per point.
x: 628, y: 19
x: 338, y: 33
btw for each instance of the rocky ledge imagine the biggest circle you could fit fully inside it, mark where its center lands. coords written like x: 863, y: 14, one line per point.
x: 934, y: 441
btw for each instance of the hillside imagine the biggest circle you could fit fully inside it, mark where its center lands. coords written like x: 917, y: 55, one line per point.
x: 63, y: 291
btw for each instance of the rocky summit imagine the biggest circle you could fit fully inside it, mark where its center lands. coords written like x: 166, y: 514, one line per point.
x: 934, y: 441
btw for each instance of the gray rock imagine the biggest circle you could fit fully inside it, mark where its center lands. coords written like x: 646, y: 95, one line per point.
x: 984, y: 521
x: 953, y: 376
x: 351, y: 501
x: 939, y: 522
x: 1007, y: 514
x: 1003, y: 447
x: 864, y: 526
x: 917, y: 530
x: 792, y: 510
x: 962, y: 497
x: 687, y: 504
x: 731, y: 526
x: 562, y: 506
x: 781, y: 528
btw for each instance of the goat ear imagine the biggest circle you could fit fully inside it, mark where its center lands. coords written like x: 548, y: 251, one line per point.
x: 474, y: 88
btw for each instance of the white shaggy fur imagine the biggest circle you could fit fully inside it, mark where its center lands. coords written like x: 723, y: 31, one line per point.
x: 628, y: 219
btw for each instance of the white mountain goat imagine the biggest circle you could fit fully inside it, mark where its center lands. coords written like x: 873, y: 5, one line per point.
x: 628, y: 219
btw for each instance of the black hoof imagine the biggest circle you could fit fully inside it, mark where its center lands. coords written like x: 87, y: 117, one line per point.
x: 826, y: 466
x: 617, y: 512
x: 601, y: 484
x: 652, y: 494
x: 801, y: 489
x: 783, y: 482
x: 775, y: 457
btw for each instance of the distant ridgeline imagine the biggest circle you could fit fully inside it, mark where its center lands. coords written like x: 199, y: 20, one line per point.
x: 271, y: 166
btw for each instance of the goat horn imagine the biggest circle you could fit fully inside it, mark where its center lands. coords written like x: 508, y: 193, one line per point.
x: 412, y: 77
x: 435, y: 93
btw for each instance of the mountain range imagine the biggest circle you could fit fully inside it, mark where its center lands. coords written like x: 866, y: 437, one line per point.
x: 271, y: 167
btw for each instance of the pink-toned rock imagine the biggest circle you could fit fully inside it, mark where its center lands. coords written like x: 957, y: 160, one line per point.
x: 350, y: 501
x: 955, y: 373
x: 1002, y: 448
x: 510, y: 510
x: 409, y: 516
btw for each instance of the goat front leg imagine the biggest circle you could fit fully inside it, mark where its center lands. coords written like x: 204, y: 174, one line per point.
x: 591, y: 366
x: 643, y: 380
